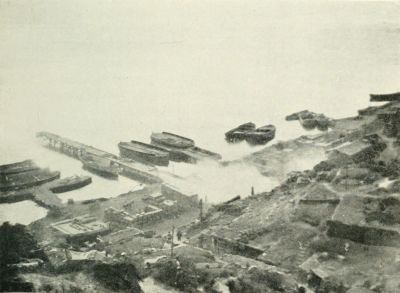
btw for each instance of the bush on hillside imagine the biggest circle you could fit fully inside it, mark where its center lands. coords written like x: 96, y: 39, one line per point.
x: 16, y: 244
x: 118, y: 277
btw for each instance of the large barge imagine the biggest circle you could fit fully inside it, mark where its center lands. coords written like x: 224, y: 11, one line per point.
x: 138, y: 171
x: 100, y: 166
x: 27, y: 179
x: 18, y: 167
x: 16, y: 196
x: 143, y: 152
x: 70, y: 183
x: 169, y: 139
x: 181, y: 149
x: 195, y: 154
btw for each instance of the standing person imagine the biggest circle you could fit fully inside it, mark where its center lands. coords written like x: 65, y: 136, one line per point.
x: 179, y: 235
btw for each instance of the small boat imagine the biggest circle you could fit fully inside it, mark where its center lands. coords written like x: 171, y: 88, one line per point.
x: 143, y: 152
x: 305, y: 114
x: 309, y: 123
x: 171, y: 140
x: 323, y: 124
x: 251, y: 134
x: 310, y: 120
x: 261, y: 135
x: 100, y: 166
x: 238, y: 134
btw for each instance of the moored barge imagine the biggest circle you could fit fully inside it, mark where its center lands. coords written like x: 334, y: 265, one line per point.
x: 18, y: 167
x: 181, y: 149
x: 169, y: 139
x: 100, y: 166
x: 143, y: 152
x: 70, y: 183
x: 27, y: 179
x: 238, y: 134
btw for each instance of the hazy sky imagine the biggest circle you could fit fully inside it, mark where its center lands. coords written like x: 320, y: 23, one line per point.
x: 104, y: 71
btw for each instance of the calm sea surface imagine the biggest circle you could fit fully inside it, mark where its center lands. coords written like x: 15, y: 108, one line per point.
x: 105, y: 73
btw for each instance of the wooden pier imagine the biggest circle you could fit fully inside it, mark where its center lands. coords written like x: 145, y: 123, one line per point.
x: 128, y: 168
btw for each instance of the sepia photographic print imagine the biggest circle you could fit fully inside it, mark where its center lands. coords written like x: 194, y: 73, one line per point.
x: 216, y: 146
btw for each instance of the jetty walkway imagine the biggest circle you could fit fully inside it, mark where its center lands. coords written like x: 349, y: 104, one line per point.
x: 128, y: 168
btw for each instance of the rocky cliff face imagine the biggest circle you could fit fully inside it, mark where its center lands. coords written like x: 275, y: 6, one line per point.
x: 331, y: 225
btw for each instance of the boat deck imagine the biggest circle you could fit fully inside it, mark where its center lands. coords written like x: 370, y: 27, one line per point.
x: 143, y: 148
x: 171, y: 139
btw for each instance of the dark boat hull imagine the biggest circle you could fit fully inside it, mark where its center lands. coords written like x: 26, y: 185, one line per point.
x: 259, y: 138
x: 11, y: 197
x: 101, y: 172
x: 308, y: 124
x: 161, y: 159
x: 175, y: 154
x: 140, y: 176
x: 169, y: 139
x: 206, y: 153
x: 181, y: 149
x: 323, y: 125
x: 385, y: 97
x: 250, y: 134
x: 238, y: 134
x: 191, y: 155
x: 27, y: 179
x: 19, y: 167
x: 69, y: 184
